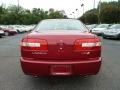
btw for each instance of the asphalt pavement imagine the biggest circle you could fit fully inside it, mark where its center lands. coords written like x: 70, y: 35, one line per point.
x: 12, y: 77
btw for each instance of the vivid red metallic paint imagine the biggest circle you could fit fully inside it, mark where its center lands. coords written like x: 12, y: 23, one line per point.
x: 60, y: 58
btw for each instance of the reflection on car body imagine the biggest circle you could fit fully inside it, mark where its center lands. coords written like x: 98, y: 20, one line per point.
x: 60, y: 47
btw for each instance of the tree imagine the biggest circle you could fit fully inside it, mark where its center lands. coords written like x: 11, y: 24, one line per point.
x: 90, y: 17
x: 109, y: 13
x: 14, y: 15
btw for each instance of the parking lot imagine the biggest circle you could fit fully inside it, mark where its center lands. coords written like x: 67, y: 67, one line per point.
x: 12, y: 77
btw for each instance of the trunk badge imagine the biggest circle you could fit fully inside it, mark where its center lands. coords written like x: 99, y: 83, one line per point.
x: 61, y: 46
x: 61, y: 43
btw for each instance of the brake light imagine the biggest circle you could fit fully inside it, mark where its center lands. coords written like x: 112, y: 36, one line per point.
x: 91, y: 44
x: 34, y: 44
x: 30, y: 44
x: 87, y: 45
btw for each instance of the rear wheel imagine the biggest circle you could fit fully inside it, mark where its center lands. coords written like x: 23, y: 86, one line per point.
x: 104, y: 36
x: 6, y: 34
x: 118, y: 36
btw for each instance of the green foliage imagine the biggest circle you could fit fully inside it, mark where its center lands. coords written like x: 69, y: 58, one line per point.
x: 106, y: 12
x: 109, y: 14
x: 90, y: 17
x: 18, y: 15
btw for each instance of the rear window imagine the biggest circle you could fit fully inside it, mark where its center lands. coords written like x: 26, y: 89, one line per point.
x: 115, y: 26
x: 60, y: 25
x: 103, y: 26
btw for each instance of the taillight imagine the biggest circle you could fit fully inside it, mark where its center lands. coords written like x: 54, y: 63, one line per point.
x: 29, y: 44
x: 34, y: 45
x: 87, y: 45
x: 91, y: 44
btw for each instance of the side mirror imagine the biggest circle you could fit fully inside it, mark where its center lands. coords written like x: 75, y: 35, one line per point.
x: 90, y: 31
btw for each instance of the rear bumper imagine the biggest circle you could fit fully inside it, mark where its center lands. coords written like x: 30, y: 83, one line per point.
x: 111, y: 36
x: 12, y: 32
x: 43, y: 68
x: 97, y: 33
x: 2, y: 34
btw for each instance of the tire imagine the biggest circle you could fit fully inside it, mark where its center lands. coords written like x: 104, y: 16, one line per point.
x: 104, y: 36
x: 118, y: 36
x: 6, y: 34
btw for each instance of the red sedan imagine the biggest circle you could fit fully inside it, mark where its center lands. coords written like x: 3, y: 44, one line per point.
x: 60, y: 47
x: 9, y: 31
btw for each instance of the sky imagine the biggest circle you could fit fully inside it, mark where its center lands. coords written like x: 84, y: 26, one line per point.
x: 69, y: 6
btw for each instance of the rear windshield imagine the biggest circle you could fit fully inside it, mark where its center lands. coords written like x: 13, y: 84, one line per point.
x: 60, y: 25
x: 115, y: 26
x: 103, y: 26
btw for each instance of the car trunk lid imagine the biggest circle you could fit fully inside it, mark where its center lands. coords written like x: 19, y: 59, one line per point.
x: 60, y: 45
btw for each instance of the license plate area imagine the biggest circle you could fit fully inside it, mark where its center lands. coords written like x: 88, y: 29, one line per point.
x: 60, y: 69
